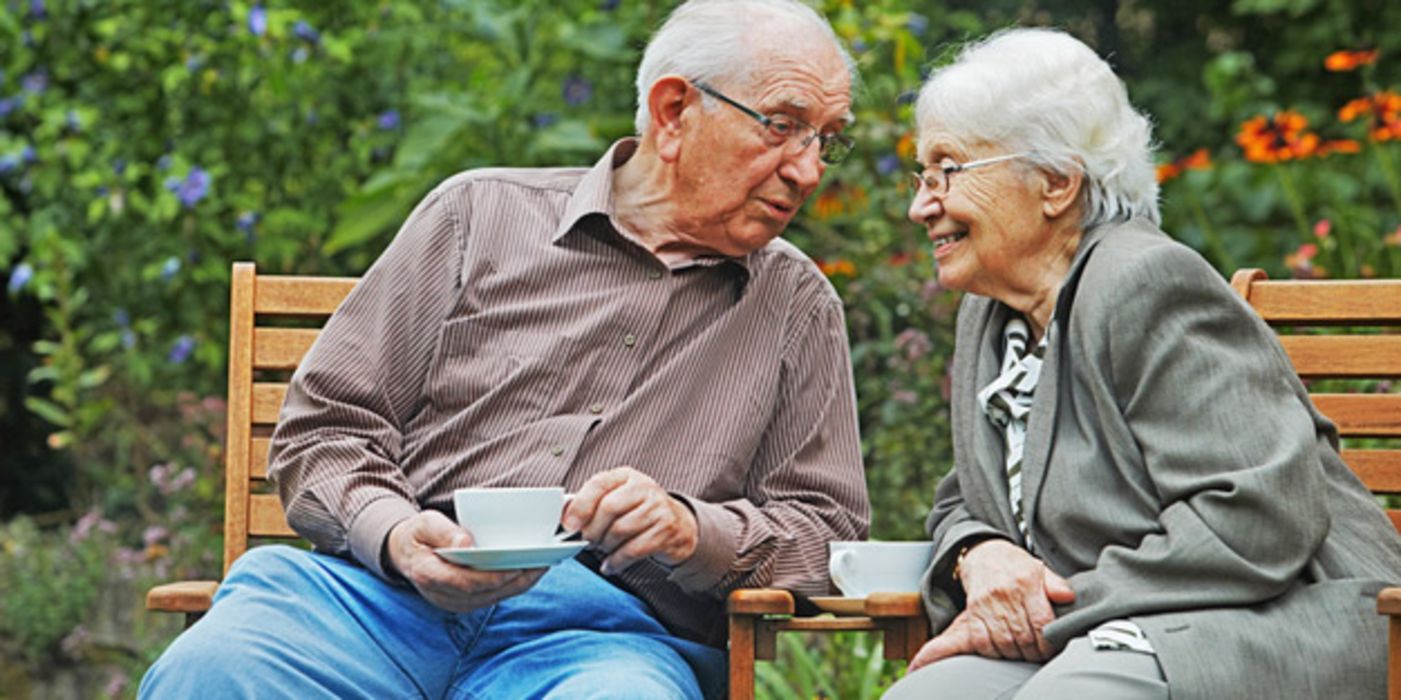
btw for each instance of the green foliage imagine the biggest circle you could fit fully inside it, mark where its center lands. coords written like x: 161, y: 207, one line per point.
x: 50, y: 583
x: 845, y: 665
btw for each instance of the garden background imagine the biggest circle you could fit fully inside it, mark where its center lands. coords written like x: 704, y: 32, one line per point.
x: 147, y: 144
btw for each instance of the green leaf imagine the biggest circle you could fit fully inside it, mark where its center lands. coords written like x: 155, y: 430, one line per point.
x: 49, y: 411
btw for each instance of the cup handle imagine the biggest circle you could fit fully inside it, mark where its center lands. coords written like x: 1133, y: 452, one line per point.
x: 841, y: 565
x: 566, y: 535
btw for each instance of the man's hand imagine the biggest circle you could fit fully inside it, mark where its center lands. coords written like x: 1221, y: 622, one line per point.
x: 956, y: 639
x: 449, y: 586
x: 629, y: 517
x: 1010, y: 594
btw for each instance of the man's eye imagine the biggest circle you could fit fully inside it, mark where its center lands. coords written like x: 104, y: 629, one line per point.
x: 782, y: 126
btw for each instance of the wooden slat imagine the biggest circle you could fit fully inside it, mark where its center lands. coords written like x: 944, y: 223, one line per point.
x: 1380, y: 470
x: 240, y: 410
x: 824, y: 624
x: 258, y: 458
x: 1327, y: 302
x: 1362, y: 415
x: 265, y: 517
x: 1358, y: 356
x: 281, y: 348
x: 267, y: 401
x: 182, y: 596
x: 301, y: 296
x: 1395, y: 516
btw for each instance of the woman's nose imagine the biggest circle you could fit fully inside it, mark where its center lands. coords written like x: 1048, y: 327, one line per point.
x: 924, y: 208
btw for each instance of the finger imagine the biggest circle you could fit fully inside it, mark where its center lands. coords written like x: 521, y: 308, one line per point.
x: 1027, y: 636
x: 1057, y: 589
x: 580, y: 510
x: 645, y: 544
x: 433, y: 529
x: 980, y: 639
x: 997, y: 615
x: 953, y: 641
x: 621, y: 514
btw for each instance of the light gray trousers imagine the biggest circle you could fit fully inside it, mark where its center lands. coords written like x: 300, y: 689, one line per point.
x: 1080, y: 672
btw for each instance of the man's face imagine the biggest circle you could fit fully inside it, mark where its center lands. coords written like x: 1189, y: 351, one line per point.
x: 739, y: 186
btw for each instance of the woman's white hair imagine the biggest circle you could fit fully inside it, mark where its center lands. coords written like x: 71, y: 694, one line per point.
x: 1045, y: 92
x: 714, y: 41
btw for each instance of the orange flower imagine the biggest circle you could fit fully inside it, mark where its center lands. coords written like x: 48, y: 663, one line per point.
x: 837, y: 267
x: 1394, y: 238
x: 1339, y: 146
x: 1198, y: 160
x: 1384, y: 108
x: 828, y: 204
x: 905, y: 147
x: 1340, y: 61
x: 1277, y: 139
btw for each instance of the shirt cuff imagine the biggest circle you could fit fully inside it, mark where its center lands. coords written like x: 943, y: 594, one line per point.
x: 370, y: 528
x: 716, y: 547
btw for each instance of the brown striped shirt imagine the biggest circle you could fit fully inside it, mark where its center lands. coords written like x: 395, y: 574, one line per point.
x: 511, y: 336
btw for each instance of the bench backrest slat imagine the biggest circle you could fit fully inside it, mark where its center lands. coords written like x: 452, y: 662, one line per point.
x: 258, y: 347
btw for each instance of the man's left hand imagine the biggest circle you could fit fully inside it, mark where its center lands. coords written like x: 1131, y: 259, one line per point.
x: 630, y: 517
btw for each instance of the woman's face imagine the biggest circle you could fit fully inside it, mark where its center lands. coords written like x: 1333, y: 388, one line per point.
x: 986, y: 226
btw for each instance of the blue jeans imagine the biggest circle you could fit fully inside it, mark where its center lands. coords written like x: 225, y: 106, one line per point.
x: 293, y: 624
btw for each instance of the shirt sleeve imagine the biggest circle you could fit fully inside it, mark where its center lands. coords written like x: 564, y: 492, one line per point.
x: 1227, y: 441
x: 336, y: 452
x: 806, y: 486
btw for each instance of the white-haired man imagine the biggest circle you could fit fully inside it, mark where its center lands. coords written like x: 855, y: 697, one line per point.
x: 634, y: 332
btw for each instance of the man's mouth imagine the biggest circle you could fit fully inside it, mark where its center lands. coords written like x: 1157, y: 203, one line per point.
x: 782, y: 208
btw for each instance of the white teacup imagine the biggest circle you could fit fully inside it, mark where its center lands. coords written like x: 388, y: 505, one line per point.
x: 510, y: 517
x: 862, y: 568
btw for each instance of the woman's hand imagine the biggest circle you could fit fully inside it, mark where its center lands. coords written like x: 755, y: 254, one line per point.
x: 1009, y: 594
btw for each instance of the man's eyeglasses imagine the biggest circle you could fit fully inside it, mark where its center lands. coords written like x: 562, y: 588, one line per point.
x: 937, y: 180
x: 782, y: 129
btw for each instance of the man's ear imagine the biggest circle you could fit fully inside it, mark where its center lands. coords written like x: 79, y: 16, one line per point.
x: 666, y: 107
x: 1060, y: 191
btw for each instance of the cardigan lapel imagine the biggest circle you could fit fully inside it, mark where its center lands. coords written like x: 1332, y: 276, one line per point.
x: 987, y: 488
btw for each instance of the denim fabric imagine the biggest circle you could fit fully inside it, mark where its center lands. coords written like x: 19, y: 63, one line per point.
x: 293, y: 624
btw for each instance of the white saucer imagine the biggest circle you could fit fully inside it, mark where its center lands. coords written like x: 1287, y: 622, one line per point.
x: 505, y: 558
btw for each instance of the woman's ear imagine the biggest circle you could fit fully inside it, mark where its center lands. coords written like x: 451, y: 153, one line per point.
x: 666, y: 106
x: 1060, y: 191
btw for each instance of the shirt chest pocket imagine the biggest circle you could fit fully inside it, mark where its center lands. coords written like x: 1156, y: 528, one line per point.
x: 501, y: 378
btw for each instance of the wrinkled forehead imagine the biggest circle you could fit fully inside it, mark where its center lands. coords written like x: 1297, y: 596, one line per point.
x: 809, y: 79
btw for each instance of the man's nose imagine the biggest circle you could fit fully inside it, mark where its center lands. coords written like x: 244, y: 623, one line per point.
x: 804, y: 167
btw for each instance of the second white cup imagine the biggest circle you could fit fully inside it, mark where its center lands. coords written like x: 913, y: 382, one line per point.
x: 862, y: 568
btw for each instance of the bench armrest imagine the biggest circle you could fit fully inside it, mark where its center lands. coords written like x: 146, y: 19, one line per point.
x: 182, y: 596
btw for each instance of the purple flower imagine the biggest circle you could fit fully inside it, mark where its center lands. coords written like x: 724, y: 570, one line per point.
x: 153, y: 534
x: 20, y: 276
x: 91, y: 520
x: 544, y: 119
x: 192, y: 189
x: 608, y: 5
x: 577, y: 90
x: 388, y: 119
x: 73, y: 121
x: 859, y: 45
x: 300, y: 54
x: 163, y: 163
x: 116, y: 684
x: 305, y: 31
x: 75, y: 642
x: 36, y: 82
x: 194, y: 63
x: 181, y: 350
x: 119, y: 166
x: 887, y: 164
x: 121, y: 318
x: 37, y: 9
x: 10, y: 104
x: 170, y: 268
x: 128, y: 338
x: 917, y: 24
x: 246, y: 221
x: 28, y: 155
x: 8, y: 162
x: 258, y: 20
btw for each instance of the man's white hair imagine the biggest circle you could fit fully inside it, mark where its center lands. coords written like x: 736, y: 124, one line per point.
x: 714, y: 41
x: 1045, y: 92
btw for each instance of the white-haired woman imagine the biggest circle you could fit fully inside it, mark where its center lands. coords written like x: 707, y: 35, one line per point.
x: 1144, y: 503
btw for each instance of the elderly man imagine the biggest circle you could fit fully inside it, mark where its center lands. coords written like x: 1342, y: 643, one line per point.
x: 633, y: 332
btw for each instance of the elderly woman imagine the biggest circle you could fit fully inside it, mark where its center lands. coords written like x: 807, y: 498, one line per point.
x: 1144, y: 503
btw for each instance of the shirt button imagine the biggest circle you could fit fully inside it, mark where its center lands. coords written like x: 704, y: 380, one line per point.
x: 557, y: 450
x: 654, y: 274
x: 596, y: 408
x: 629, y: 340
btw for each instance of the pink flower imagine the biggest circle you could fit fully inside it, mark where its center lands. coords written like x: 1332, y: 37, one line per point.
x: 1323, y: 228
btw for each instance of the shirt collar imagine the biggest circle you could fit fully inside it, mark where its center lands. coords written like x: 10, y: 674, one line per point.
x: 593, y: 196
